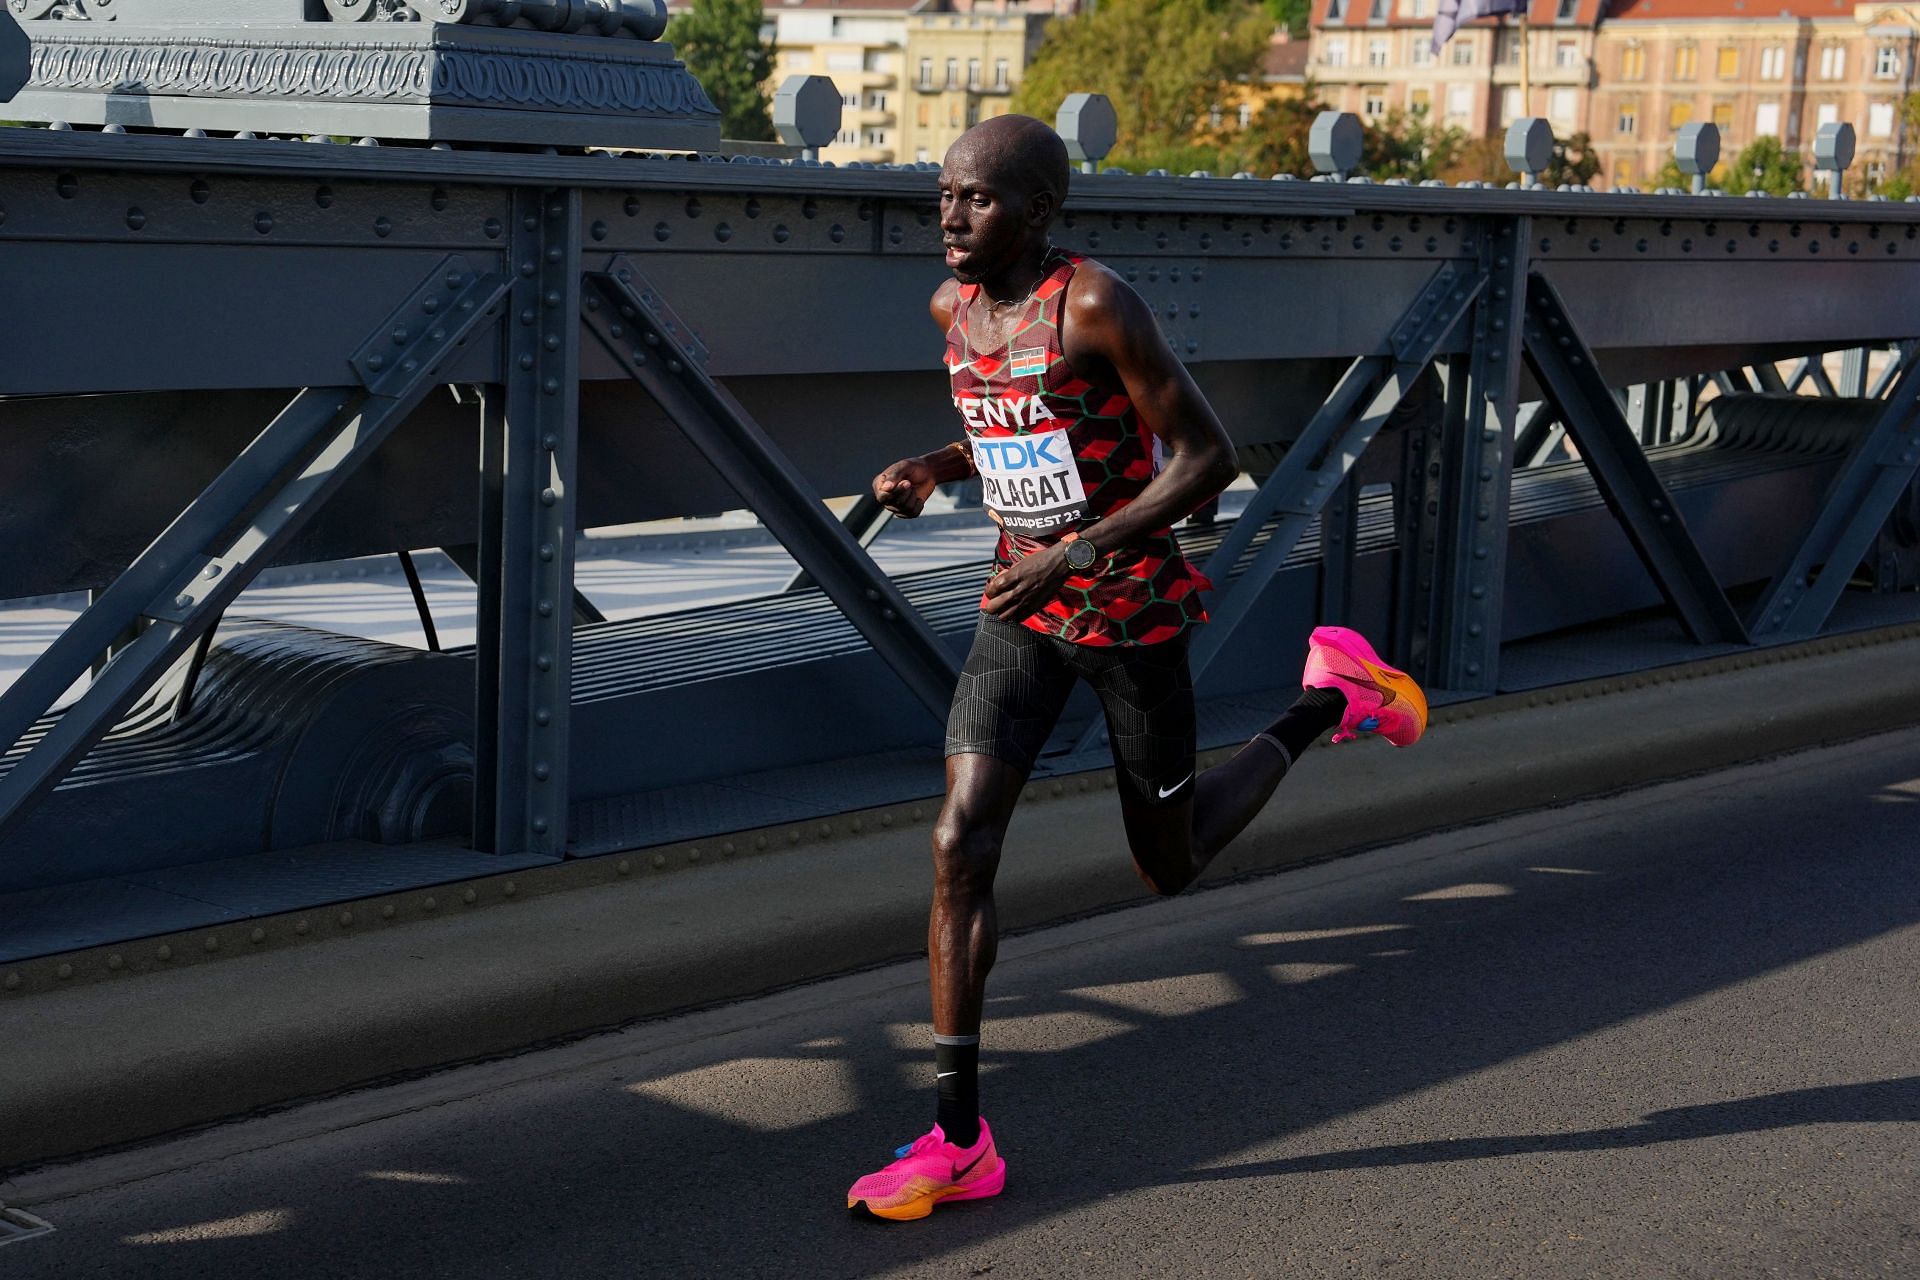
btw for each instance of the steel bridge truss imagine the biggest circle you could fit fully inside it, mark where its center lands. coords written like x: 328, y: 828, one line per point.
x: 552, y: 300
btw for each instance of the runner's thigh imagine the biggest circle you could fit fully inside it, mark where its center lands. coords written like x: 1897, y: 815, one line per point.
x: 1010, y: 694
x: 1147, y: 694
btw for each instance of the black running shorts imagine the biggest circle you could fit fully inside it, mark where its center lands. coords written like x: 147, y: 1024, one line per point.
x: 1017, y: 680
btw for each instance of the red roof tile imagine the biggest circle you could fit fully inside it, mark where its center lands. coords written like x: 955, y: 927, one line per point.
x: 1682, y: 10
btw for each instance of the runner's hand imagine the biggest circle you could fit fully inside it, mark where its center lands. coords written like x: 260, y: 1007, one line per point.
x: 1026, y: 585
x: 904, y: 487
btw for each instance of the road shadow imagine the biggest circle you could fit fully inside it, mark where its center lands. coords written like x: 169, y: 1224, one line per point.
x: 1147, y: 1062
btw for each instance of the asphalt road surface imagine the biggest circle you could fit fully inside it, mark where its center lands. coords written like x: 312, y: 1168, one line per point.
x: 1673, y: 1033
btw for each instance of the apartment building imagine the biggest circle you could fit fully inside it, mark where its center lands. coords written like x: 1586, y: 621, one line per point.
x: 964, y: 60
x: 1781, y: 73
x: 1371, y: 56
x: 861, y: 46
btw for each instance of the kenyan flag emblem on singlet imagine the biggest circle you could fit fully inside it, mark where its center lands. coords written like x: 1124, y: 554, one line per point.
x: 1030, y: 363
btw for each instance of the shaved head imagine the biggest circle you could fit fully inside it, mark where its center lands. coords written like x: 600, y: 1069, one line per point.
x: 1019, y: 151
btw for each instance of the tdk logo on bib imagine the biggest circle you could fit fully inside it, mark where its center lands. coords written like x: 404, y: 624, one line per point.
x: 1029, y: 482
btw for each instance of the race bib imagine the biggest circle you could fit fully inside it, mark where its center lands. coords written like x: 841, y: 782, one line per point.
x: 1030, y: 483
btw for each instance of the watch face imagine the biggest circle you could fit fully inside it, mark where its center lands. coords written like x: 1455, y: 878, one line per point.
x: 1081, y: 555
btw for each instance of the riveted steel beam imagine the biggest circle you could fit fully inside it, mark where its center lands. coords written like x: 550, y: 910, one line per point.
x: 1323, y: 456
x: 637, y: 328
x: 1454, y: 546
x: 1857, y: 503
x: 187, y: 577
x: 1568, y: 372
x: 529, y: 460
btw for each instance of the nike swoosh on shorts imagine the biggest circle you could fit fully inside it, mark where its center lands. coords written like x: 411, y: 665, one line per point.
x: 1167, y: 791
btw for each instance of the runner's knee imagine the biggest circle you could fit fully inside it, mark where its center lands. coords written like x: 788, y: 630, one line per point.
x: 966, y: 853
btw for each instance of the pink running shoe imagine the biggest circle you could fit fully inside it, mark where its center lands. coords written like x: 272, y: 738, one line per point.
x: 931, y: 1169
x: 1379, y: 699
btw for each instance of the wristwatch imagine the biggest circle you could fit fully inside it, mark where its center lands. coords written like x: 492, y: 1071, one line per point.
x: 1082, y: 555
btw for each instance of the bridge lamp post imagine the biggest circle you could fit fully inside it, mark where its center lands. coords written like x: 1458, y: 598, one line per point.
x: 1529, y: 148
x: 1088, y: 124
x: 1335, y: 142
x: 1696, y: 150
x: 1833, y: 152
x: 806, y: 113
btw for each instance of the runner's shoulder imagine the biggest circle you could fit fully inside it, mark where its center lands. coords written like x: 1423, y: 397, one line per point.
x: 945, y: 300
x: 1099, y: 303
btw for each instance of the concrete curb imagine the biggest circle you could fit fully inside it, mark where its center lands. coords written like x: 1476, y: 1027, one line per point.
x: 137, y: 1054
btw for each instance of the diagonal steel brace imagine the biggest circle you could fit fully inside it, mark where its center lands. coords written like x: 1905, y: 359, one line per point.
x: 1568, y: 373
x: 1857, y: 503
x: 1317, y: 463
x: 187, y: 576
x: 656, y: 350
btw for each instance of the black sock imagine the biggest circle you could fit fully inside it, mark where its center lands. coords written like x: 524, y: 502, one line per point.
x: 956, y: 1063
x: 1307, y: 721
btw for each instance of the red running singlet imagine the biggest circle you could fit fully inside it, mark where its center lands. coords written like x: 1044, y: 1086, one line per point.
x: 1055, y: 453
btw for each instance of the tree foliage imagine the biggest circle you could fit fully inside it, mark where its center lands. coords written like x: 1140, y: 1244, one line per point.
x: 1408, y: 144
x: 720, y: 42
x: 1164, y: 63
x: 1762, y: 165
x: 1290, y: 14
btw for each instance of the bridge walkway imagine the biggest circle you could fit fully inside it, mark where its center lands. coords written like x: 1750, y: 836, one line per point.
x: 1665, y: 1033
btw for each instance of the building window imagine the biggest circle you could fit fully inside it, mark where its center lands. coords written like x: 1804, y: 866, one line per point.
x: 924, y: 116
x: 1686, y: 62
x: 1421, y: 54
x: 1566, y: 53
x: 850, y: 100
x: 1459, y: 101
x: 973, y: 73
x: 876, y: 102
x: 1833, y: 61
x: 1679, y: 113
x: 1876, y: 171
x: 1462, y: 53
x: 1766, y: 120
x: 1560, y: 106
x: 1336, y: 10
x: 921, y: 155
x: 1246, y: 114
x: 1418, y: 8
x: 1628, y: 119
x: 1378, y: 11
x: 1622, y: 173
x: 1633, y: 63
x: 1377, y: 53
x: 1509, y: 104
x: 1420, y: 100
x: 1000, y: 73
x: 1723, y: 118
x: 973, y: 114
x: 1879, y: 119
x: 1567, y: 11
x: 953, y: 73
x: 1373, y: 101
x: 1826, y: 113
x: 876, y: 137
x: 1886, y: 62
x: 848, y: 137
x: 1506, y: 47
x: 1335, y: 54
x: 1773, y: 63
x: 1727, y: 64
x: 926, y: 73
x: 953, y: 114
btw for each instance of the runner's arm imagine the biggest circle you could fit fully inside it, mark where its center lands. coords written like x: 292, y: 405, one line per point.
x: 1108, y: 328
x: 904, y: 487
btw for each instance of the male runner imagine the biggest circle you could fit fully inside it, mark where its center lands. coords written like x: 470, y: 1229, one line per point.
x: 1090, y: 441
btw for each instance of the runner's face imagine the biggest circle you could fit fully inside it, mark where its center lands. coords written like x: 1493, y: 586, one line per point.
x: 984, y: 222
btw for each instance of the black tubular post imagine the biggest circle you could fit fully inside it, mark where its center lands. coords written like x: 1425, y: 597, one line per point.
x: 420, y: 600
